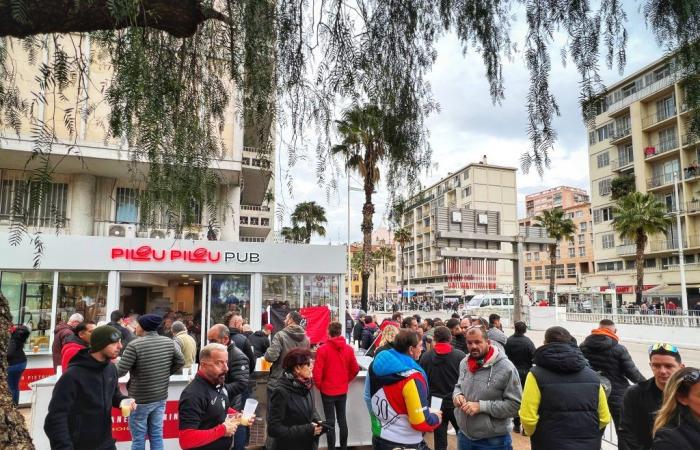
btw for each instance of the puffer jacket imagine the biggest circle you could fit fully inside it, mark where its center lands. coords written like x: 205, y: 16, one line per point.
x: 335, y: 367
x: 290, y: 337
x: 520, y: 350
x: 608, y: 357
x: 291, y: 413
x: 441, y: 365
x: 368, y: 334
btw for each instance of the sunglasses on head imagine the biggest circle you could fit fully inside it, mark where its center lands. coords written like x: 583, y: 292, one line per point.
x: 692, y: 377
x: 663, y: 346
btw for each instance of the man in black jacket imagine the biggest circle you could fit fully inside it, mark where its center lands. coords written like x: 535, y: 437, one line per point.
x: 642, y: 401
x: 80, y: 410
x: 613, y: 361
x: 520, y: 350
x: 234, y: 322
x: 441, y: 365
x: 204, y: 403
x: 260, y: 340
x: 459, y: 341
x: 116, y: 319
x: 359, y: 326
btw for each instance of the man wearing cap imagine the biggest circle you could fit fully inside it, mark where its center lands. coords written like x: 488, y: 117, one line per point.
x: 642, y: 401
x: 80, y: 410
x: 150, y: 359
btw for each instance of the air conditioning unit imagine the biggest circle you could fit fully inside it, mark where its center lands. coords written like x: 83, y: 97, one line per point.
x: 117, y: 231
x: 131, y: 231
x: 157, y: 234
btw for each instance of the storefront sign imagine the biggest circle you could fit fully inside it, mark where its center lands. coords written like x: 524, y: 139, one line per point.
x: 120, y: 424
x: 146, y: 253
x: 32, y: 375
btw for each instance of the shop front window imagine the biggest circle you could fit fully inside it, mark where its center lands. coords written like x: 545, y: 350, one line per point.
x: 322, y: 290
x: 229, y: 293
x: 84, y: 293
x: 29, y: 296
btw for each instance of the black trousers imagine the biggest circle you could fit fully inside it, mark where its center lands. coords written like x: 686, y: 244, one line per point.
x: 448, y: 416
x: 334, y: 408
x: 615, y: 406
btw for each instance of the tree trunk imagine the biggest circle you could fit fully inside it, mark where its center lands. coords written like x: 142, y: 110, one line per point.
x: 375, y: 283
x: 180, y: 18
x: 639, y: 263
x: 402, y: 262
x: 13, y: 431
x: 367, y: 213
x: 552, y: 272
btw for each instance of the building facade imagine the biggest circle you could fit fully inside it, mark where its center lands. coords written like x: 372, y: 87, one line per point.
x: 383, y: 282
x: 456, y: 226
x: 641, y: 140
x: 574, y: 258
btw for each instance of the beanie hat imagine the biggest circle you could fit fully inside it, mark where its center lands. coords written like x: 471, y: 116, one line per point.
x: 103, y: 336
x: 150, y: 322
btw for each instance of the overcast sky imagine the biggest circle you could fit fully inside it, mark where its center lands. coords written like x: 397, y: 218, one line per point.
x: 469, y: 126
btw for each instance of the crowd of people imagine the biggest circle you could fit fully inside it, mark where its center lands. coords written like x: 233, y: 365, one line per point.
x: 426, y: 376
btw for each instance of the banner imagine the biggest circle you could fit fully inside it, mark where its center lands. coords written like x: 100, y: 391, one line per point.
x: 317, y: 320
x: 120, y: 424
x: 34, y: 374
x: 278, y: 312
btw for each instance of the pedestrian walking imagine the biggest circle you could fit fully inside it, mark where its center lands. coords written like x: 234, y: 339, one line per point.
x: 205, y: 402
x: 520, y: 350
x: 397, y: 396
x: 119, y: 321
x: 78, y: 341
x: 563, y: 405
x: 16, y: 359
x: 260, y: 340
x: 369, y: 333
x: 185, y: 342
x: 359, y: 326
x: 293, y: 423
x: 441, y: 365
x: 677, y: 426
x: 80, y: 410
x: 290, y: 337
x: 150, y: 360
x: 237, y: 376
x: 60, y: 334
x: 495, y: 332
x: 642, y: 401
x: 611, y: 360
x: 487, y: 395
x: 334, y: 368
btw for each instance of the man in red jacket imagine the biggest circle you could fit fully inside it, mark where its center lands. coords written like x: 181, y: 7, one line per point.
x: 334, y: 369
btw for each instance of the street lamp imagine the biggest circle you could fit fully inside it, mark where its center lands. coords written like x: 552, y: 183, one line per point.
x: 681, y: 259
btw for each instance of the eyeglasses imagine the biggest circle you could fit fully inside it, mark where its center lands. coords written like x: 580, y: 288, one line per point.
x: 663, y: 346
x: 692, y: 377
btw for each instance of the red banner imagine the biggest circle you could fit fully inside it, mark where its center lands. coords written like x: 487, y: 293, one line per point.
x: 34, y: 374
x: 317, y: 320
x: 120, y: 424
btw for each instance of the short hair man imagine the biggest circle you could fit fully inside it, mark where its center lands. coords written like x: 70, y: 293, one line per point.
x: 62, y: 332
x: 79, y: 340
x: 642, y: 401
x: 441, y: 365
x: 235, y: 327
x: 204, y: 403
x: 563, y: 405
x: 186, y: 343
x: 613, y: 361
x: 119, y: 321
x: 260, y: 340
x: 521, y: 351
x: 291, y: 336
x: 487, y: 394
x: 459, y: 340
x: 80, y: 410
x: 237, y: 376
x: 410, y: 323
x: 495, y: 332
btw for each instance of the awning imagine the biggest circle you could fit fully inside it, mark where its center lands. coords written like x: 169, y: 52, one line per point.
x: 663, y: 290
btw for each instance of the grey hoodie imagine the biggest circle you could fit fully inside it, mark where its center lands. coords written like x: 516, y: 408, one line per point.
x: 291, y: 337
x: 496, y: 386
x: 498, y: 338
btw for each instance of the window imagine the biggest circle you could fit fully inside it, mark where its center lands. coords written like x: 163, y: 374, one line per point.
x: 557, y: 200
x: 528, y: 273
x: 582, y: 251
x: 537, y: 256
x: 609, y: 266
x: 603, y: 159
x: 571, y: 271
x: 623, y: 125
x: 229, y: 291
x: 84, y: 293
x: 572, y: 252
x: 579, y: 213
x: 282, y: 288
x: 322, y: 290
x: 529, y: 256
x: 538, y: 273
x: 581, y: 239
x: 606, y: 131
x: 127, y: 211
x: 29, y: 297
x: 591, y: 137
x: 608, y: 240
x: 52, y: 208
x: 665, y: 108
x: 466, y: 174
x: 558, y: 254
x: 604, y: 187
x: 667, y: 139
x: 591, y: 235
x: 602, y: 214
x: 630, y: 264
x: 650, y: 263
x: 467, y: 191
x: 559, y: 270
x: 582, y: 226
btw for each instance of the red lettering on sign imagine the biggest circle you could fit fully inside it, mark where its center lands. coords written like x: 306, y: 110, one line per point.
x: 146, y: 253
x: 34, y: 374
x: 175, y: 254
x: 117, y: 253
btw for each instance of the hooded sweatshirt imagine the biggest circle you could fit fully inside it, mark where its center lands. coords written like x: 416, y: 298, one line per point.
x: 441, y: 365
x: 498, y: 338
x: 260, y: 342
x: 80, y: 410
x: 335, y: 367
x: 290, y: 337
x: 396, y: 393
x: 496, y: 386
x: 72, y: 346
x: 60, y: 334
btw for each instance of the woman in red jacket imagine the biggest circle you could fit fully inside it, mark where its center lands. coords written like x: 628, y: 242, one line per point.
x: 334, y: 369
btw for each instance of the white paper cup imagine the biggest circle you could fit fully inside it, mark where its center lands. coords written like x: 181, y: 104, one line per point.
x: 250, y: 406
x: 435, y: 403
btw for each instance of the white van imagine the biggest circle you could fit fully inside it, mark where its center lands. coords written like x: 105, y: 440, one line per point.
x: 504, y: 301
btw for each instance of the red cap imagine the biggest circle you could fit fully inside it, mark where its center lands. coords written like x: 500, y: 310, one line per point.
x: 269, y: 327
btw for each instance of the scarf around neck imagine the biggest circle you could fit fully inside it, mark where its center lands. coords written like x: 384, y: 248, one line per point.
x: 306, y: 383
x: 476, y: 364
x: 605, y: 332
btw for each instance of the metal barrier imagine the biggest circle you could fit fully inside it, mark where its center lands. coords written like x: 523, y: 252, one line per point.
x: 663, y: 320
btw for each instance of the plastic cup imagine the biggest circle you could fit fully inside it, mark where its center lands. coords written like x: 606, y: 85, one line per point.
x: 126, y: 407
x: 250, y: 406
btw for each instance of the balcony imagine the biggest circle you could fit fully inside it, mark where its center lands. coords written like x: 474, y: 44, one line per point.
x: 623, y: 163
x: 659, y: 181
x: 658, y: 117
x: 660, y: 148
x: 261, y: 208
x: 646, y: 91
x: 689, y: 139
x: 692, y: 207
x: 626, y: 249
x: 665, y: 245
x: 620, y: 135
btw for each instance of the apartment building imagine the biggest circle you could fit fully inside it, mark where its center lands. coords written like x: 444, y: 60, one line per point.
x: 457, y: 226
x: 386, y: 282
x: 94, y: 188
x: 574, y: 258
x: 641, y: 139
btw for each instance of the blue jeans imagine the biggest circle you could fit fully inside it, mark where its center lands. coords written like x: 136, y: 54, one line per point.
x: 493, y: 443
x: 14, y: 373
x: 147, y: 419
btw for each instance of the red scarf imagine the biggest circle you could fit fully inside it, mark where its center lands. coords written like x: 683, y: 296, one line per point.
x: 605, y: 332
x: 476, y: 364
x: 442, y: 348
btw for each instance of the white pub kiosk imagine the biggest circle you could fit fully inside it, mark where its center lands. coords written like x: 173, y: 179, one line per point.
x: 201, y: 279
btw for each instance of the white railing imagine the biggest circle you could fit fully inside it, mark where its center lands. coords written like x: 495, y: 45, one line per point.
x: 648, y: 90
x: 255, y: 208
x: 690, y: 319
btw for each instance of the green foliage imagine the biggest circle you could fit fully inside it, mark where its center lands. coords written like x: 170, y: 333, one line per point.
x: 293, y: 234
x: 557, y: 226
x: 308, y: 218
x: 622, y: 185
x: 640, y: 214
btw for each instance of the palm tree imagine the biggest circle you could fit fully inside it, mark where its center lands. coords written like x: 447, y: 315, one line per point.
x: 309, y: 217
x: 402, y: 237
x: 292, y: 234
x: 385, y: 255
x: 559, y: 228
x: 364, y: 148
x: 635, y: 217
